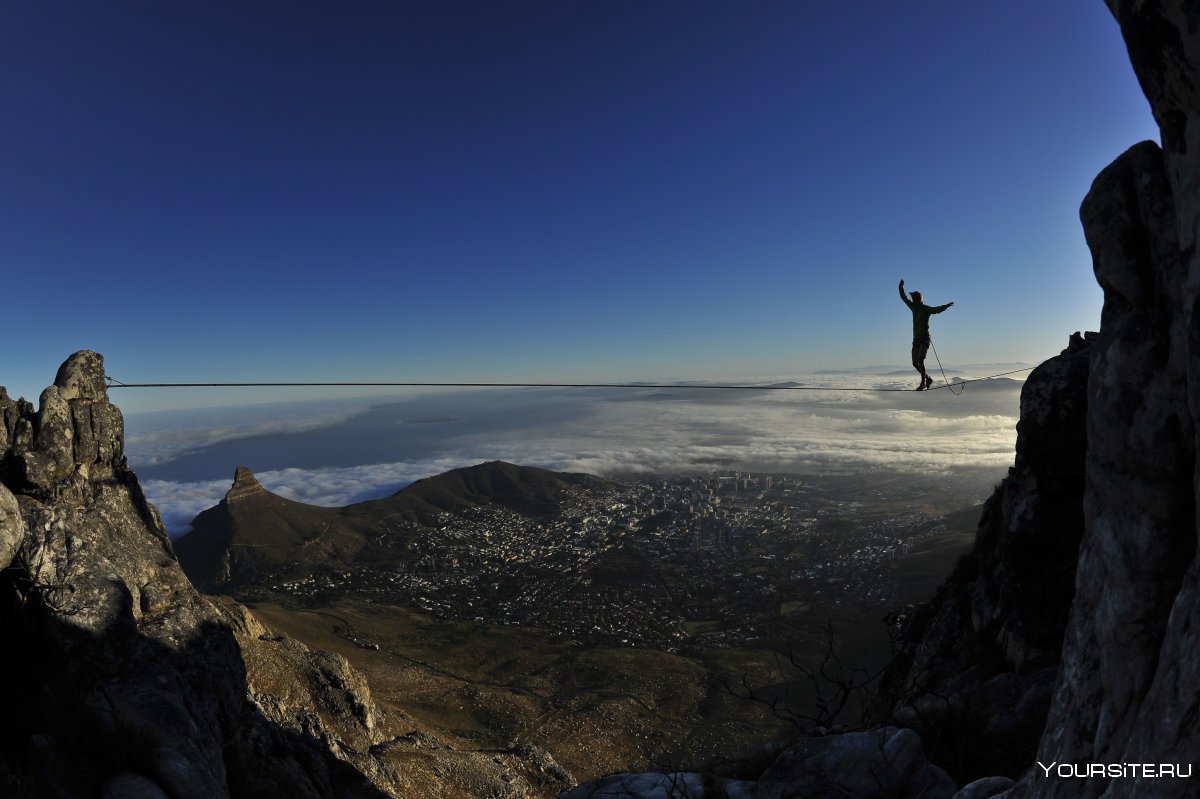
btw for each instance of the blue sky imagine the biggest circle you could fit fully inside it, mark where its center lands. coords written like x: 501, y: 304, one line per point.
x: 546, y: 191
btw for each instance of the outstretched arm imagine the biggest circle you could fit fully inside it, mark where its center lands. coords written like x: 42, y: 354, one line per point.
x: 940, y: 308
x: 903, y: 296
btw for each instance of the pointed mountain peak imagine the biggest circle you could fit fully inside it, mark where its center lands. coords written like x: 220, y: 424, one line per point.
x: 245, y: 484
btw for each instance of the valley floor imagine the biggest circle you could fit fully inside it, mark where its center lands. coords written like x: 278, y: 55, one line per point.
x: 702, y: 701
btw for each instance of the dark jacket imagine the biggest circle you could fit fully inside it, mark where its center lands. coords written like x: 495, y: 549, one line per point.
x: 921, y: 313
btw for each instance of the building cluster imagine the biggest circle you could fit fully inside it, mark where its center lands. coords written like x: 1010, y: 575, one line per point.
x: 683, y: 562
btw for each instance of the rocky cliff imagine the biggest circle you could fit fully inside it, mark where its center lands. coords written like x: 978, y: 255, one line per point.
x: 975, y: 666
x: 1126, y: 688
x: 124, y: 682
x: 1062, y: 652
x: 1129, y: 684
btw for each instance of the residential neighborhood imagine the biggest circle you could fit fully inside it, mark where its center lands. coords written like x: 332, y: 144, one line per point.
x: 689, y: 562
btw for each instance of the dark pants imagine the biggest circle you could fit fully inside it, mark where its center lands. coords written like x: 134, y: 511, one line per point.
x: 919, y: 351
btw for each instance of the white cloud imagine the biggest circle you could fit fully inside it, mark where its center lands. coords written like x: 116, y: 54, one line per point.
x: 179, y: 502
x: 641, y: 432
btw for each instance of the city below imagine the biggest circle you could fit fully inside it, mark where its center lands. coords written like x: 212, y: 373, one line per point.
x: 676, y: 563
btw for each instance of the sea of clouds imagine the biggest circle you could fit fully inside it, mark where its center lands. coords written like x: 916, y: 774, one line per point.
x: 162, y: 436
x: 338, y: 452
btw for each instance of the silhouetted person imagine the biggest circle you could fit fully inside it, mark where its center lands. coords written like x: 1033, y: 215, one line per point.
x: 921, y: 313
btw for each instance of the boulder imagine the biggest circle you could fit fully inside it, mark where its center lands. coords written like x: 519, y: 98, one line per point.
x: 657, y: 785
x: 885, y: 763
x: 82, y: 377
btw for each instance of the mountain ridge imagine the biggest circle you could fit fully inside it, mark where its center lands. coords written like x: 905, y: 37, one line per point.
x: 526, y: 489
x: 253, y: 531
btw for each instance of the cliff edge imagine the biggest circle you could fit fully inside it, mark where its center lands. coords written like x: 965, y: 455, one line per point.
x: 1126, y: 687
x: 123, y: 680
x: 1059, y: 659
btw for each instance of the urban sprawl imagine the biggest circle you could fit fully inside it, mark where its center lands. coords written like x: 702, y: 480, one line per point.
x: 676, y: 563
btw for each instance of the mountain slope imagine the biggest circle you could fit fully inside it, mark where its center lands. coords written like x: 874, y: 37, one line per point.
x: 524, y: 489
x: 252, y: 532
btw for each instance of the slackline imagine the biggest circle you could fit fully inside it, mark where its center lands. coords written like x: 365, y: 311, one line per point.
x: 114, y: 383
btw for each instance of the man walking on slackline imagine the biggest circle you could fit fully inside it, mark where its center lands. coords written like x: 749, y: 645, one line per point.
x: 921, y: 313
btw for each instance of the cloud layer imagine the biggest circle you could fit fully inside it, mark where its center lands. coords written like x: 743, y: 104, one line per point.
x: 179, y: 502
x: 159, y: 437
x: 609, y: 434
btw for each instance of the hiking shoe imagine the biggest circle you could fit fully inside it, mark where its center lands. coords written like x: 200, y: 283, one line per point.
x: 928, y: 381
x: 921, y: 386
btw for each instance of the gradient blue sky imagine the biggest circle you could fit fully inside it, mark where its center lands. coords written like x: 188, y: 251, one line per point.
x: 547, y: 191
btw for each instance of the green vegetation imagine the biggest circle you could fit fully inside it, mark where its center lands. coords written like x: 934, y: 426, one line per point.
x: 793, y: 608
x: 694, y: 628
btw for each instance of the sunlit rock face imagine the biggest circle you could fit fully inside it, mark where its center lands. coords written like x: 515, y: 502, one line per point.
x: 93, y: 546
x: 122, y: 679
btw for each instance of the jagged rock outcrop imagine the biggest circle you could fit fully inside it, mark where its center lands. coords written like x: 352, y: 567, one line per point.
x: 122, y: 679
x: 1127, y: 689
x: 975, y: 666
x: 318, y: 695
x: 1140, y: 503
x: 245, y: 485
